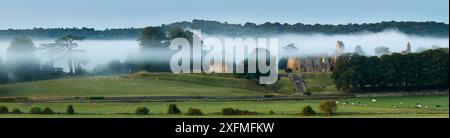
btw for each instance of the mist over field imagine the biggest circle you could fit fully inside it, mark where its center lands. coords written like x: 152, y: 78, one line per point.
x: 310, y: 44
x: 97, y: 52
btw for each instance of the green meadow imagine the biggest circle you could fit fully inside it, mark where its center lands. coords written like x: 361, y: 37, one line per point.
x: 165, y: 84
x: 406, y: 107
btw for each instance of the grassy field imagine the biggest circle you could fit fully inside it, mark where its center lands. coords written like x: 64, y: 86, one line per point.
x: 289, y: 109
x: 161, y: 84
x: 314, y: 81
x: 167, y: 84
x: 139, y: 84
x: 319, y: 82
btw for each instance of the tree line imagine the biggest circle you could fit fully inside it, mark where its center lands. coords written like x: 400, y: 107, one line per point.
x: 433, y: 29
x: 23, y: 65
x: 412, y: 71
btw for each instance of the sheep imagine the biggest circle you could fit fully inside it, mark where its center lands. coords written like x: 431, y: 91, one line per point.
x: 419, y: 106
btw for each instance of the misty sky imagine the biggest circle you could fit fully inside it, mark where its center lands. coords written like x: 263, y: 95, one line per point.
x: 102, y: 14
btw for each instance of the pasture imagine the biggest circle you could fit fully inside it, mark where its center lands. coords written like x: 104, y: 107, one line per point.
x: 139, y: 84
x: 382, y: 107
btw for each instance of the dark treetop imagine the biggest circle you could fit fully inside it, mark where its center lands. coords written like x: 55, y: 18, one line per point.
x: 429, y: 29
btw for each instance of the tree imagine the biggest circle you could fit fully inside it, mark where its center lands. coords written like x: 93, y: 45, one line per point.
x: 173, y: 110
x: 180, y: 33
x: 50, y: 72
x: 411, y: 71
x: 359, y: 51
x: 433, y: 29
x: 115, y: 67
x: 342, y: 72
x: 152, y: 37
x: 66, y: 45
x: 379, y: 51
x: 142, y: 110
x: 328, y: 107
x: 21, y: 60
x: 421, y: 49
x: 70, y: 110
x: 154, y: 53
x: 3, y: 73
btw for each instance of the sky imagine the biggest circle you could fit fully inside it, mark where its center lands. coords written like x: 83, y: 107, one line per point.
x: 101, y: 14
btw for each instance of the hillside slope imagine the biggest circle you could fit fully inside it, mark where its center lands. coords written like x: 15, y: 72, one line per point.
x: 139, y: 84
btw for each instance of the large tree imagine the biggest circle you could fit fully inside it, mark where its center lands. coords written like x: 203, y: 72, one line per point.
x: 67, y: 46
x: 381, y: 50
x: 21, y: 60
x: 3, y: 73
x: 152, y: 37
x: 359, y: 51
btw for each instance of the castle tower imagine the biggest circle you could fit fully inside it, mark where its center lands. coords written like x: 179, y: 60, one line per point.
x: 293, y: 61
x: 340, y: 49
x: 408, y: 49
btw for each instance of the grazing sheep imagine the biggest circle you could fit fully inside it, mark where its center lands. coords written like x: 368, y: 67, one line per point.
x: 419, y: 106
x: 374, y: 100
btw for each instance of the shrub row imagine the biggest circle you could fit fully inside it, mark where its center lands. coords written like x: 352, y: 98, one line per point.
x: 35, y: 110
x: 231, y: 111
x: 172, y: 110
x: 5, y: 110
x: 326, y: 106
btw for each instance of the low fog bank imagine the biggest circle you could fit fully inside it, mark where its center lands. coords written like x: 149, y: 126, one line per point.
x: 94, y: 52
x: 97, y: 52
x: 395, y: 41
x: 312, y: 44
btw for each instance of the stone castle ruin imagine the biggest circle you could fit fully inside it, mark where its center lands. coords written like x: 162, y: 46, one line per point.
x: 312, y: 63
x: 408, y: 49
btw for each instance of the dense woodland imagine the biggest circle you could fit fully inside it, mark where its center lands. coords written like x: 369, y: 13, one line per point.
x: 432, y: 29
x: 412, y: 71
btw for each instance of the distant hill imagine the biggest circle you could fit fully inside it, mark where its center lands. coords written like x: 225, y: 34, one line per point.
x: 429, y: 29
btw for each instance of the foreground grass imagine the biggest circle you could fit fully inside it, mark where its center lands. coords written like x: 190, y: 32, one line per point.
x: 221, y: 116
x: 281, y: 109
